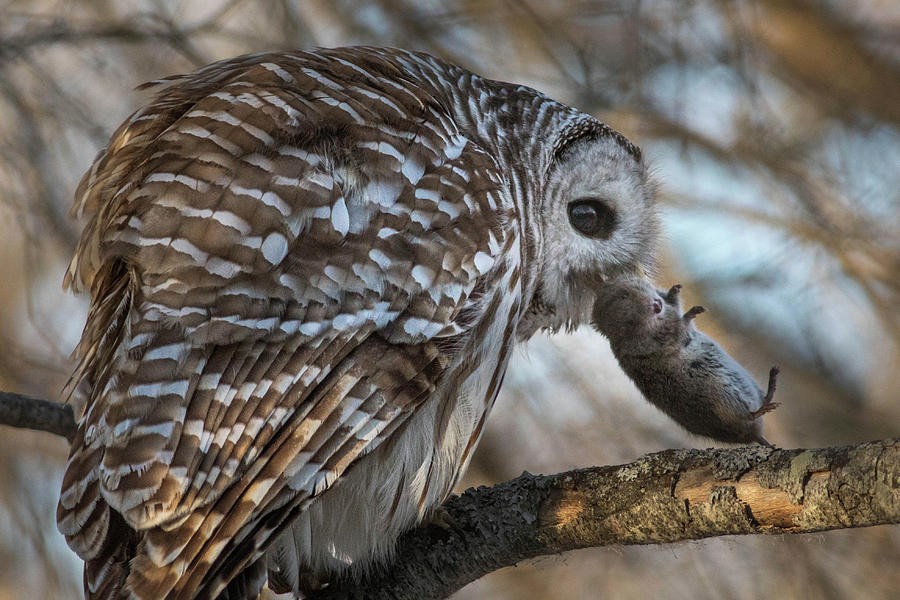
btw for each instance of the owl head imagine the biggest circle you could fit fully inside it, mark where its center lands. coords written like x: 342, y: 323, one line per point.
x: 597, y: 222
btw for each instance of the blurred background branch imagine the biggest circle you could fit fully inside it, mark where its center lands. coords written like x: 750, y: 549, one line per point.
x: 36, y: 414
x: 773, y: 129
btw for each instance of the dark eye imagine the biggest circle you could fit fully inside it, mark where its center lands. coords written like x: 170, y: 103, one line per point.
x: 593, y: 218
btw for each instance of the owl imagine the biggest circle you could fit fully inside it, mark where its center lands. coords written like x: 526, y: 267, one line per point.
x: 307, y: 272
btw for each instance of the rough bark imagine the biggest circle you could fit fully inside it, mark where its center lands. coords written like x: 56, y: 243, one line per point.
x: 665, y: 497
x: 17, y: 410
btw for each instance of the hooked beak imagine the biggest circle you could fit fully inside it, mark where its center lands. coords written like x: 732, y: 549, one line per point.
x: 635, y: 275
x: 605, y: 286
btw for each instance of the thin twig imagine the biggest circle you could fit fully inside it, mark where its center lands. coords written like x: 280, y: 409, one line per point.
x: 25, y: 412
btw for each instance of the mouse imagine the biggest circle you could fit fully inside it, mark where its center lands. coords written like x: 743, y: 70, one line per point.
x: 677, y: 367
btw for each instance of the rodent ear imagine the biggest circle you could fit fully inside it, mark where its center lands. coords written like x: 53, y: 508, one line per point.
x: 693, y: 312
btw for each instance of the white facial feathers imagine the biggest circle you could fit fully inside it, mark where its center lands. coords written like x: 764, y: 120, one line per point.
x: 603, y: 171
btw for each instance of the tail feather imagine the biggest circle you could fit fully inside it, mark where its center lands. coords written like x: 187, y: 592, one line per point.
x: 106, y: 573
x: 248, y: 584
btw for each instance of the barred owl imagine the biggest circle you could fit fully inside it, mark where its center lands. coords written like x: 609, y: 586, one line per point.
x: 307, y: 273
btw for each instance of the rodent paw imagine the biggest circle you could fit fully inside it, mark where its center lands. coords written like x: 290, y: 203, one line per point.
x: 693, y: 312
x: 766, y: 407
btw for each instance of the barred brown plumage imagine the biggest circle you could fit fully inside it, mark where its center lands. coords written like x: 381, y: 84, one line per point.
x: 304, y: 261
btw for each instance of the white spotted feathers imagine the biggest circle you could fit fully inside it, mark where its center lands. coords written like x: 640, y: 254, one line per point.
x: 293, y: 258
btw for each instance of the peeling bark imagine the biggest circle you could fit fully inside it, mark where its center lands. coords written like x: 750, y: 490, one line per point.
x: 665, y: 497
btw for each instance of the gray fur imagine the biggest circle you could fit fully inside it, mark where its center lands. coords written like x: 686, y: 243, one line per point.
x: 678, y: 368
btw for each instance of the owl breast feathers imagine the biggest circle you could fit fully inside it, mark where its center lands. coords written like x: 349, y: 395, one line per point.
x: 299, y: 263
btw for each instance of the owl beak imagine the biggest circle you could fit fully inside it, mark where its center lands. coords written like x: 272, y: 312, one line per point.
x: 638, y: 272
x: 605, y: 285
x: 599, y: 282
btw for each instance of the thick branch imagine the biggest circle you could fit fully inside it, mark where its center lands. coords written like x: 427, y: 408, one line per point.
x: 32, y: 413
x: 666, y: 497
x: 670, y: 496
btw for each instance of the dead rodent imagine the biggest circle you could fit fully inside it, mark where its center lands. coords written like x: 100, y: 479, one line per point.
x: 678, y: 368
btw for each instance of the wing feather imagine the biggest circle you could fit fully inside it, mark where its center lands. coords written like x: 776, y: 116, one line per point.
x: 283, y: 254
x: 365, y: 396
x: 397, y: 393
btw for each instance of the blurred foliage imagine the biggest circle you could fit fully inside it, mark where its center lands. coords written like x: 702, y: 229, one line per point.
x: 775, y: 131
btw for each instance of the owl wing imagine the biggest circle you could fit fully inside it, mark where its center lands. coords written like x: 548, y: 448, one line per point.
x: 272, y: 257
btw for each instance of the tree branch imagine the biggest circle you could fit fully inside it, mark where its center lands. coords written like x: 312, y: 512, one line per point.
x: 33, y: 413
x: 665, y: 497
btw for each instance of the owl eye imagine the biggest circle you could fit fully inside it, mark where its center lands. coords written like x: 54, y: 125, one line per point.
x: 592, y: 217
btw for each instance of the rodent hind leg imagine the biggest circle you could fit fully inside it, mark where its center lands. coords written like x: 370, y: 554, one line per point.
x: 768, y: 405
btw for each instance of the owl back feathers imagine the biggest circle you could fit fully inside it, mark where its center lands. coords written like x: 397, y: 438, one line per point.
x: 272, y: 244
